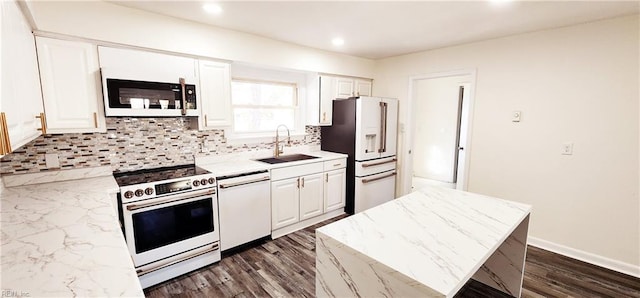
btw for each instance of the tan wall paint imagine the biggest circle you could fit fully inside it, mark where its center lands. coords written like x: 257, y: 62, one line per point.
x: 575, y: 84
x: 113, y: 23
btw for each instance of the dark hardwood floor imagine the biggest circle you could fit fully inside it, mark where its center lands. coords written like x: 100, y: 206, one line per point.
x: 285, y: 267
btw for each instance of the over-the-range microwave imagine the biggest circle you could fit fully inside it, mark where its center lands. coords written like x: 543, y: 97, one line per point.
x: 130, y: 93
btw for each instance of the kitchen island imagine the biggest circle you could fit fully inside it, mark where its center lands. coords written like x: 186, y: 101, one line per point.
x: 62, y: 238
x: 428, y: 243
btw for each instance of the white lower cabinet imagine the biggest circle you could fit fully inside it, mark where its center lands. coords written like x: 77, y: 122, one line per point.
x: 335, y: 189
x: 311, y: 199
x: 302, y: 195
x: 284, y: 203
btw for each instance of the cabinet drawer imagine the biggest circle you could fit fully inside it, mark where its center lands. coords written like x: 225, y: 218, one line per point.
x: 295, y: 171
x: 335, y: 164
x: 369, y: 167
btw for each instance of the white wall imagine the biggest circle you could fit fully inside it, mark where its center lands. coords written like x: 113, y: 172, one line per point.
x: 104, y: 21
x: 575, y: 84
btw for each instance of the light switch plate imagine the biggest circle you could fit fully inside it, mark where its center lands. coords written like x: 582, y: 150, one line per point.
x: 516, y: 116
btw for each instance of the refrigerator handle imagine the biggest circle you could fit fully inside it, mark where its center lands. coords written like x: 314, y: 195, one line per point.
x: 383, y: 127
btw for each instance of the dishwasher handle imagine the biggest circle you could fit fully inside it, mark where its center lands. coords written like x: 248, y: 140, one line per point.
x: 239, y: 183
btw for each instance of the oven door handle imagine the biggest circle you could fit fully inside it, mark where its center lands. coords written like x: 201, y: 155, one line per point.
x: 170, y: 199
x: 142, y: 270
x: 229, y: 185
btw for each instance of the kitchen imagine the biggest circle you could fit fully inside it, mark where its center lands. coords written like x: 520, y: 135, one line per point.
x: 507, y: 160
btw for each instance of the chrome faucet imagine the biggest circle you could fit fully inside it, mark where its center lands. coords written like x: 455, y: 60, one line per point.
x: 280, y: 148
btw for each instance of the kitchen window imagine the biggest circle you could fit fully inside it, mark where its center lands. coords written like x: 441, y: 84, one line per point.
x: 258, y: 107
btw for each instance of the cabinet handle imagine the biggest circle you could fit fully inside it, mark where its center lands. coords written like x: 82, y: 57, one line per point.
x: 4, y: 135
x: 205, y: 120
x: 302, y: 182
x: 324, y: 116
x: 326, y: 177
x: 95, y: 119
x: 298, y: 183
x: 43, y: 123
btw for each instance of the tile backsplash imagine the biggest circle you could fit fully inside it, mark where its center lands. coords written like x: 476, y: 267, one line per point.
x: 132, y: 144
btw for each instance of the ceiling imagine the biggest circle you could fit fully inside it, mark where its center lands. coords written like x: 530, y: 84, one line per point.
x: 380, y: 29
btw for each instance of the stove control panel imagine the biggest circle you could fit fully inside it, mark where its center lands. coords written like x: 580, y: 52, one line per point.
x: 145, y: 191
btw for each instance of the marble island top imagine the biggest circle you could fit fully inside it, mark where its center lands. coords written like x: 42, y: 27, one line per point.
x: 433, y: 240
x: 63, y: 239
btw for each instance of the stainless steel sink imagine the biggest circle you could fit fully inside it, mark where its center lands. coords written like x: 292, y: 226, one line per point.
x: 286, y: 158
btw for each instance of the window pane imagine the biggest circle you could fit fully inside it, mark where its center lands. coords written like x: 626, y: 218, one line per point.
x: 261, y: 93
x: 257, y: 119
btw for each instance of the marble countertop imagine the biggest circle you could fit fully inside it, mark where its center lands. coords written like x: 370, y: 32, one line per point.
x: 63, y: 239
x: 435, y: 236
x: 246, y: 162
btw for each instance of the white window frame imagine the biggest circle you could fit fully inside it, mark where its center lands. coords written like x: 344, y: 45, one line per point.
x: 255, y: 136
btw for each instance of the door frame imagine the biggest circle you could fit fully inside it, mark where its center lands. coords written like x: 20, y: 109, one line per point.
x: 463, y: 168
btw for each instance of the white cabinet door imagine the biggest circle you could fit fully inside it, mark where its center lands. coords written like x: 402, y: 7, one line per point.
x: 311, y: 198
x: 326, y: 100
x: 362, y: 88
x: 284, y: 203
x: 335, y: 189
x: 344, y: 88
x: 215, y: 94
x: 70, y: 76
x: 20, y: 96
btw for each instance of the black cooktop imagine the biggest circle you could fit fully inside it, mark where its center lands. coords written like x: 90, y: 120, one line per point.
x: 157, y: 174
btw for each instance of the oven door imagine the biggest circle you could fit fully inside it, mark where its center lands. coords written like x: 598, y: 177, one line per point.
x: 162, y: 227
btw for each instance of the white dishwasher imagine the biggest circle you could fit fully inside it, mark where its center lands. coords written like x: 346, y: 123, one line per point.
x: 244, y: 204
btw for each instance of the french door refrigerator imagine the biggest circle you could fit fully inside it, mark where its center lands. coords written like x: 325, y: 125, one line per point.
x: 365, y: 128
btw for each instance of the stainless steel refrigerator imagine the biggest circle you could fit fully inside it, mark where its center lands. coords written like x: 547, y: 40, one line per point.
x: 365, y: 128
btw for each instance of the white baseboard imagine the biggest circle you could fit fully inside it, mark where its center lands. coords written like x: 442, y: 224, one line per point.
x: 584, y: 256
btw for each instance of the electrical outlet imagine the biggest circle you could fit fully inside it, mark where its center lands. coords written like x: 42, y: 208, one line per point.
x: 567, y: 148
x: 52, y: 161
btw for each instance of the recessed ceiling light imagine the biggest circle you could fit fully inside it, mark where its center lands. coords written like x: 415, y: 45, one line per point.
x: 337, y: 41
x: 212, y: 8
x: 499, y: 2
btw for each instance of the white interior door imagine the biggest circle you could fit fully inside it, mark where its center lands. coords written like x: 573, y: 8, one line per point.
x: 440, y: 113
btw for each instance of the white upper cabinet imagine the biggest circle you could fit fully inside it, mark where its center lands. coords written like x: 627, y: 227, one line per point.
x: 214, y: 94
x: 324, y: 89
x: 70, y: 77
x: 362, y: 87
x: 149, y: 66
x: 20, y: 100
x: 343, y: 87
